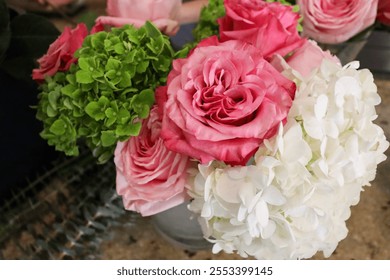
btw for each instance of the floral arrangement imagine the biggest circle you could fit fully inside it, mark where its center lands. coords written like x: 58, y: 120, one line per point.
x: 270, y: 138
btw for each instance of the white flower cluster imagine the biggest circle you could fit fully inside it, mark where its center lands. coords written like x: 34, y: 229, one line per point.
x: 294, y: 199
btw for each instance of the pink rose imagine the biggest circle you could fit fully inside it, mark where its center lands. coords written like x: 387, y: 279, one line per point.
x: 161, y: 12
x: 60, y: 55
x: 98, y: 27
x: 150, y: 178
x: 271, y: 27
x: 308, y: 57
x: 384, y: 12
x: 332, y: 22
x: 223, y: 100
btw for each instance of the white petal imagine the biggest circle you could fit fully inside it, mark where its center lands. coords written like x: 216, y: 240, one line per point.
x: 262, y: 213
x: 321, y: 106
x: 273, y: 196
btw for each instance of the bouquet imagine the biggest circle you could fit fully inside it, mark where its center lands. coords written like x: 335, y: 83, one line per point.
x: 270, y: 138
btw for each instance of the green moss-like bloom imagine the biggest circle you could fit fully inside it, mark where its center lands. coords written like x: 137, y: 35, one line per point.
x: 105, y: 95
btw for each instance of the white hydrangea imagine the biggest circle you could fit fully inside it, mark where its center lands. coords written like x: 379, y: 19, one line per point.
x: 294, y: 199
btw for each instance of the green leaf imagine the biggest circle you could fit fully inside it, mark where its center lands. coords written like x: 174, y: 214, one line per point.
x: 162, y: 64
x: 97, y: 41
x: 131, y: 129
x: 96, y: 74
x: 69, y: 90
x: 84, y: 77
x: 119, y: 48
x: 142, y: 66
x: 111, y: 74
x: 110, y: 121
x: 113, y: 64
x: 152, y: 30
x: 71, y: 79
x: 133, y: 36
x: 83, y: 131
x: 111, y: 113
x: 105, y: 157
x: 158, y: 44
x: 182, y: 53
x: 145, y: 97
x: 125, y: 80
x: 107, y: 44
x: 85, y: 64
x: 94, y: 110
x: 131, y: 69
x: 53, y: 97
x: 51, y: 112
x: 58, y: 127
x: 103, y: 101
x: 68, y: 105
x: 123, y: 115
x: 108, y: 138
x: 207, y: 24
x: 143, y: 111
x: 114, y: 105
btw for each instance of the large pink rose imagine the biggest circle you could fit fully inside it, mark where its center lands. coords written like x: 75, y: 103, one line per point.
x: 150, y: 178
x: 384, y: 11
x: 271, y: 27
x: 308, y: 57
x: 223, y: 100
x: 60, y: 54
x: 161, y: 12
x: 332, y: 22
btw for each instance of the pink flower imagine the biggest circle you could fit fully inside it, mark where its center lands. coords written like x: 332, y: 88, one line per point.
x: 161, y: 12
x: 150, y: 178
x: 308, y: 57
x: 384, y: 12
x: 271, y: 27
x: 332, y: 22
x: 60, y: 55
x: 223, y: 100
x: 98, y: 27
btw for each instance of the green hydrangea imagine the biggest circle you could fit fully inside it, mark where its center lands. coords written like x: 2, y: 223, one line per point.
x: 207, y: 25
x: 103, y: 98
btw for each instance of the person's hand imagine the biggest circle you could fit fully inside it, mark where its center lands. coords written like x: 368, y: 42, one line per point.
x: 168, y: 26
x: 162, y: 13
